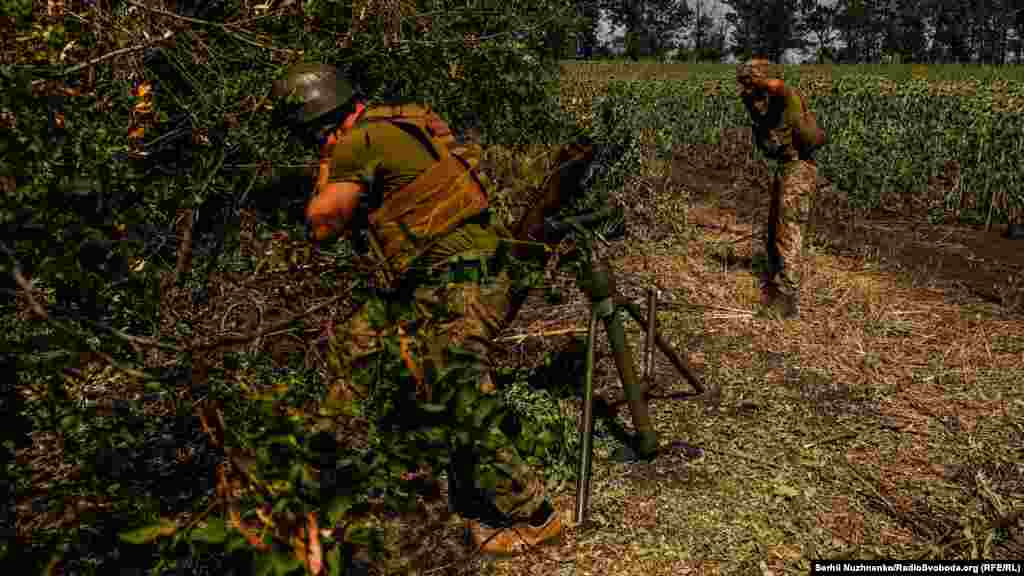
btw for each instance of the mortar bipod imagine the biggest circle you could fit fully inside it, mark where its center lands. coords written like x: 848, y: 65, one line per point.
x: 598, y: 283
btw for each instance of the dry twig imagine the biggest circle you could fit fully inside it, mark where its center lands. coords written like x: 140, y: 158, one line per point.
x: 41, y: 312
x: 519, y: 338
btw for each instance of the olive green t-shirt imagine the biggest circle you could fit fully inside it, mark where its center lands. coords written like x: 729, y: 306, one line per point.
x: 786, y: 131
x: 378, y: 150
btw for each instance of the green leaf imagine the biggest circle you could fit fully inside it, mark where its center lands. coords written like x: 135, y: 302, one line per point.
x: 236, y: 542
x: 786, y: 490
x: 281, y: 504
x: 337, y: 508
x: 376, y: 311
x: 333, y: 560
x: 484, y: 409
x: 361, y: 535
x: 546, y: 438
x: 433, y: 408
x: 146, y: 534
x: 213, y: 532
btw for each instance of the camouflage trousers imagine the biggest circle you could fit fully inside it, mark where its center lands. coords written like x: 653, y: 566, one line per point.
x: 474, y: 314
x: 792, y: 197
x: 1015, y: 211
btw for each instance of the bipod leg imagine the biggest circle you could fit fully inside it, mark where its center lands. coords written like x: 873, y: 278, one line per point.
x: 674, y: 357
x: 587, y: 434
x: 598, y: 283
x: 650, y: 344
x: 647, y: 439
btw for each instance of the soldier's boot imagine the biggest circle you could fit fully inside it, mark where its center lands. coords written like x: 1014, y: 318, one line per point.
x: 776, y: 302
x: 643, y: 448
x: 545, y: 527
x: 1014, y: 232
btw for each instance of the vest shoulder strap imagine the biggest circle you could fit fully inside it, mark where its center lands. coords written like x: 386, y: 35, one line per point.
x: 420, y: 122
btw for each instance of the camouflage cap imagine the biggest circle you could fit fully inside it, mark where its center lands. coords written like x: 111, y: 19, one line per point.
x: 757, y: 68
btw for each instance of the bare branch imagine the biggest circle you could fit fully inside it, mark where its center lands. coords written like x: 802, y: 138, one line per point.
x: 273, y: 327
x: 185, y: 229
x: 234, y: 30
x: 105, y: 57
x: 37, y: 308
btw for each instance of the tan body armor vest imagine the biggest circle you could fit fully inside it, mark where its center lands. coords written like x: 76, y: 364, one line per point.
x: 406, y: 222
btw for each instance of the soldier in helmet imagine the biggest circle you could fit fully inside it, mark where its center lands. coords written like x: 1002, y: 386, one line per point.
x: 785, y: 131
x: 397, y: 182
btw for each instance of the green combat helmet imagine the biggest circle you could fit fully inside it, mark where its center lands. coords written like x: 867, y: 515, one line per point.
x: 321, y: 91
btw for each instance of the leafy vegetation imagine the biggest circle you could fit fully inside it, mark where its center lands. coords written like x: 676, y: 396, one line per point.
x: 891, y: 129
x: 146, y: 189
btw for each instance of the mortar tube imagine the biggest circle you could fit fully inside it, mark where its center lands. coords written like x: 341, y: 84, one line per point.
x: 649, y: 347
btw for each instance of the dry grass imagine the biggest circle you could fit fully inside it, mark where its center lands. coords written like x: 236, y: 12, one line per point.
x: 884, y: 422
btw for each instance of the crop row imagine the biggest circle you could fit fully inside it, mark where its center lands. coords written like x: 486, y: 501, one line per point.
x: 897, y: 72
x: 888, y: 137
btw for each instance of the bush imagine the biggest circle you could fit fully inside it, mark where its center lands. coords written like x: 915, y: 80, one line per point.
x: 128, y: 129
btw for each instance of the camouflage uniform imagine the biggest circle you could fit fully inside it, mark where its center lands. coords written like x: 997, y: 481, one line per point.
x: 474, y: 316
x: 785, y: 131
x: 1015, y: 218
x: 792, y: 194
x: 458, y: 267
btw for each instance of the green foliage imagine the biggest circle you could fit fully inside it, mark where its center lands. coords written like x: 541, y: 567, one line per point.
x: 625, y: 112
x: 402, y: 436
x: 549, y: 440
x: 464, y: 64
x: 886, y: 138
x: 20, y: 10
x: 90, y: 223
x: 767, y: 28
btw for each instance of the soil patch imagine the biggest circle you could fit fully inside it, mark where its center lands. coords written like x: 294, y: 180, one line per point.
x: 730, y: 189
x: 979, y: 263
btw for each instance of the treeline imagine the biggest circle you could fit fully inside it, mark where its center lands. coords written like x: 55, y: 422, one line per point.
x: 848, y: 31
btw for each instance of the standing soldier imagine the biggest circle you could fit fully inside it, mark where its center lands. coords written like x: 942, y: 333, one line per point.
x: 408, y: 194
x: 785, y: 131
